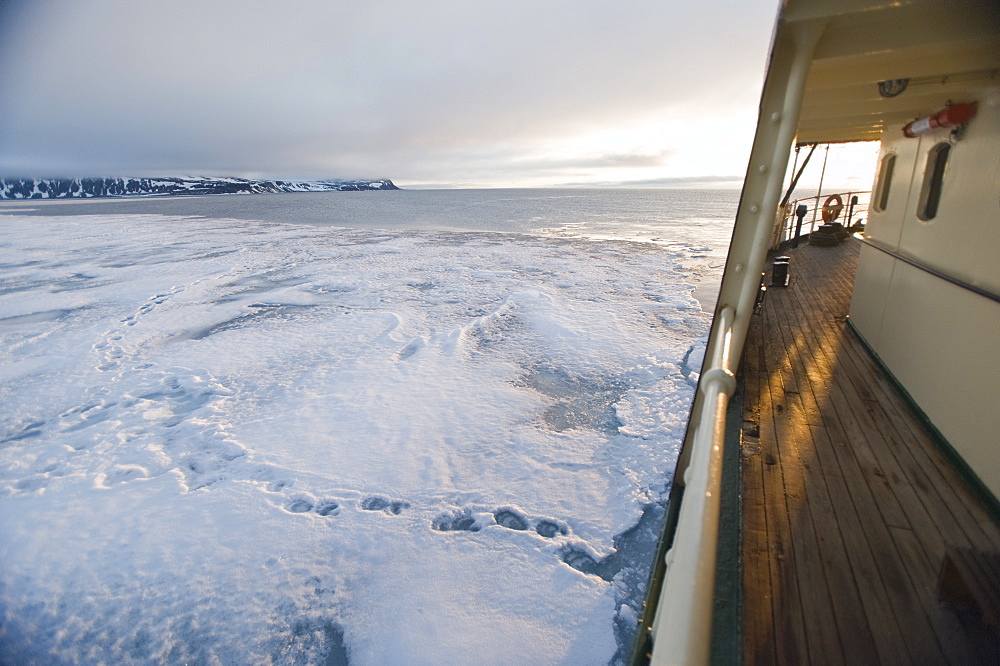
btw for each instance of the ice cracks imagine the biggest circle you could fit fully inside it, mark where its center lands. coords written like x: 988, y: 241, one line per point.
x: 340, y: 441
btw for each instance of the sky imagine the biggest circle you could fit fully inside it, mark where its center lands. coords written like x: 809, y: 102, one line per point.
x: 447, y: 93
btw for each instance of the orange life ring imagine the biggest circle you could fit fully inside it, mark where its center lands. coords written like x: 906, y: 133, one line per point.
x: 832, y: 207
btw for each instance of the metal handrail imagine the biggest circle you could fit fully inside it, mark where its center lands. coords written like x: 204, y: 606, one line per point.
x: 814, y: 213
x: 985, y: 293
x: 691, y: 569
x: 682, y: 625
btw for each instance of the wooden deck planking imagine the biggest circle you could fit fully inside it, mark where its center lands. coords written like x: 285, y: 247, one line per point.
x: 808, y: 480
x: 854, y: 495
x: 786, y: 598
x: 882, y: 468
x: 928, y: 467
x: 844, y: 493
x: 814, y: 591
x: 906, y: 434
x: 888, y: 492
x: 757, y: 618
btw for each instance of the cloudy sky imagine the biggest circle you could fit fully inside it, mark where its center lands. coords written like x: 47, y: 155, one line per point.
x: 447, y: 93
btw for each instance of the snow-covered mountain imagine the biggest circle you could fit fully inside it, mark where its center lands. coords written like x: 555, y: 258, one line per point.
x: 52, y: 188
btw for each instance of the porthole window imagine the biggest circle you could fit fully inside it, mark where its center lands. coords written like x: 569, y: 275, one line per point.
x: 884, y: 182
x: 930, y: 193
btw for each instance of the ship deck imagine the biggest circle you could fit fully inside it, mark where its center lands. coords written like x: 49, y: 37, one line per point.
x: 849, y: 505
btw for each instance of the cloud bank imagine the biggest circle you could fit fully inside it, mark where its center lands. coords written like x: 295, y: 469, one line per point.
x: 445, y: 93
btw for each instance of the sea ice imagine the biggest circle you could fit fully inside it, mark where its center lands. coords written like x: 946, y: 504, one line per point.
x: 249, y: 442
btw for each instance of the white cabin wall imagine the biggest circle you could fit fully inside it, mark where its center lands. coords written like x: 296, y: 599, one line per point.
x: 884, y: 227
x: 964, y: 239
x: 941, y: 343
x: 938, y: 339
x: 873, y: 281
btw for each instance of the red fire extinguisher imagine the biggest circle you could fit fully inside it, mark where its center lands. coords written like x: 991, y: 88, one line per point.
x: 949, y: 116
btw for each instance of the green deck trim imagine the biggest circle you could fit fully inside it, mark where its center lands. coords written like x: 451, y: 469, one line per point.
x: 989, y: 501
x: 727, y: 637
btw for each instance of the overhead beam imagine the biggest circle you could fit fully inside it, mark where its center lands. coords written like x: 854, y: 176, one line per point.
x: 914, y: 25
x: 938, y: 60
x: 914, y: 105
x: 864, y: 92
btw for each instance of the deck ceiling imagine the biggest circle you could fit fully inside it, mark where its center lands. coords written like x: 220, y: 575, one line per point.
x: 942, y: 47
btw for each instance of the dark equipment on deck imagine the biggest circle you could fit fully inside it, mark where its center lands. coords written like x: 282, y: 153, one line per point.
x: 779, y: 271
x: 800, y: 213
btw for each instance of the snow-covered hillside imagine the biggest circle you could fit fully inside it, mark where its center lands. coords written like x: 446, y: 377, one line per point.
x: 52, y: 188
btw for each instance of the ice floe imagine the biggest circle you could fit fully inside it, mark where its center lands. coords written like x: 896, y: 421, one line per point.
x: 243, y: 442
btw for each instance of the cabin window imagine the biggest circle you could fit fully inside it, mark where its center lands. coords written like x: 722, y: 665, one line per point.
x: 930, y: 193
x: 884, y: 182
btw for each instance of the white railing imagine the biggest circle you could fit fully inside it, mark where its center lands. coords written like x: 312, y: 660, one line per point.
x: 852, y: 213
x: 682, y: 624
x: 691, y: 568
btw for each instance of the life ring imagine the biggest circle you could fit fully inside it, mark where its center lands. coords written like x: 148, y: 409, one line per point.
x: 832, y: 207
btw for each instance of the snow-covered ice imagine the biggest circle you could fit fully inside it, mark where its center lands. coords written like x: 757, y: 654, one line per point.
x: 225, y: 441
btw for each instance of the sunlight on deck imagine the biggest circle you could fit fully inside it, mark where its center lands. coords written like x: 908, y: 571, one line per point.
x: 849, y: 505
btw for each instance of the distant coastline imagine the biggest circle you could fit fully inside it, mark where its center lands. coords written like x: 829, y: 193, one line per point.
x: 90, y: 188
